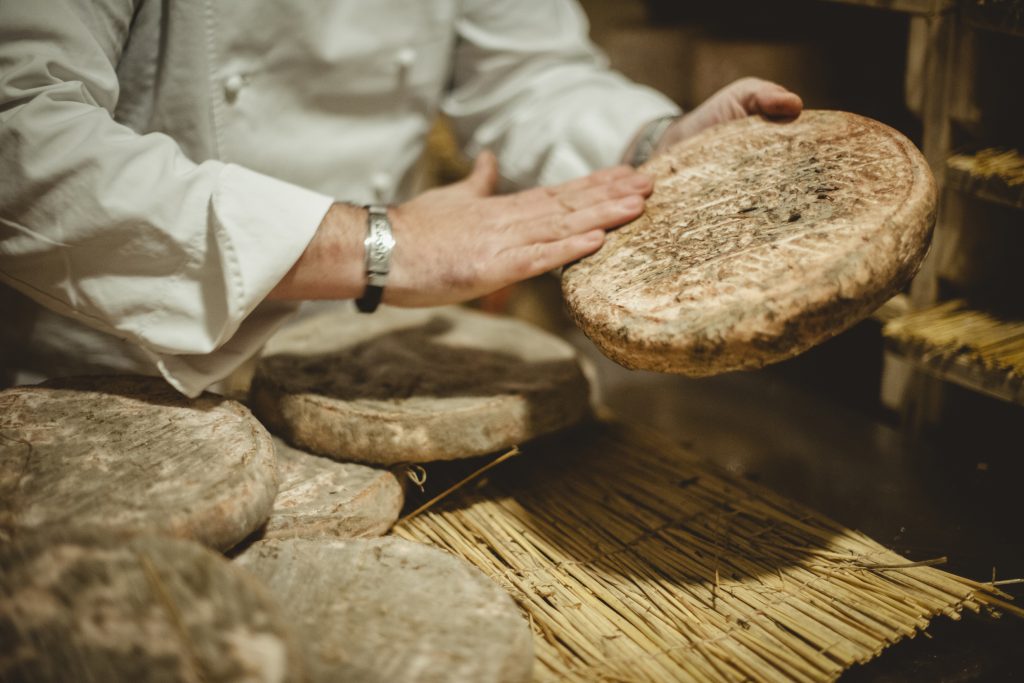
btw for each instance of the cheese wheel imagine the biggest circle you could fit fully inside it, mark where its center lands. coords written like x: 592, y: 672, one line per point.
x: 322, y: 497
x: 85, y: 606
x: 415, y: 385
x: 386, y: 609
x: 132, y: 454
x: 761, y: 239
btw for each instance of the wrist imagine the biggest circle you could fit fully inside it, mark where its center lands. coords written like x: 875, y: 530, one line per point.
x: 332, y: 266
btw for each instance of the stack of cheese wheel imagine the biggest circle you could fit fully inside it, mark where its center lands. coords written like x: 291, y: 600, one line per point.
x: 113, y: 485
x: 405, y: 386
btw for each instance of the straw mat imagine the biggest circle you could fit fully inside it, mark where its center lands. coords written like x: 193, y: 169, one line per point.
x: 636, y: 561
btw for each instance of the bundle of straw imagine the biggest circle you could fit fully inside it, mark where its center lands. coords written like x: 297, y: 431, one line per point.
x: 1005, y: 163
x: 636, y: 562
x: 994, y: 174
x: 952, y: 333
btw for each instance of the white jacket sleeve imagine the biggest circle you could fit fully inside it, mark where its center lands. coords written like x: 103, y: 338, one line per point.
x: 120, y: 230
x: 530, y: 86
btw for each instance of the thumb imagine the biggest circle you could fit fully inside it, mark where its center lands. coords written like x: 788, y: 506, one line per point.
x: 484, y: 177
x: 779, y: 104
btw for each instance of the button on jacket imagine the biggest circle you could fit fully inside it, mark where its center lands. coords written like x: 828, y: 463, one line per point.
x: 164, y: 164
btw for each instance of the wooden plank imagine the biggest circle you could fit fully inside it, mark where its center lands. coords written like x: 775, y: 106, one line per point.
x: 906, y: 6
x: 934, y: 40
x: 1004, y: 16
x: 991, y: 174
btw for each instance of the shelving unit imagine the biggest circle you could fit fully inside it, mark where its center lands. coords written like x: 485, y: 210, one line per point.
x: 907, y: 6
x: 1006, y: 16
x: 960, y: 101
x: 971, y: 348
x: 993, y: 175
x: 954, y: 92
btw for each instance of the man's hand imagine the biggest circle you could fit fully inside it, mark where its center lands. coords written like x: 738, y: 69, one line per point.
x: 735, y: 101
x: 461, y: 241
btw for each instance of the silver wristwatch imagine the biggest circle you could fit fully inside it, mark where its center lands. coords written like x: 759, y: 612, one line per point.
x: 650, y: 136
x: 379, y: 244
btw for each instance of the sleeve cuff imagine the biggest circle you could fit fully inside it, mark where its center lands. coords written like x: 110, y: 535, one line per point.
x: 191, y: 374
x: 262, y: 225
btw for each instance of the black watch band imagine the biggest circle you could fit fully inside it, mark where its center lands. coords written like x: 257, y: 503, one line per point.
x: 370, y: 299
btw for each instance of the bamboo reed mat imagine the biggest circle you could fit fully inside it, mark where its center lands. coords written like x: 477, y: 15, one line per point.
x: 635, y: 561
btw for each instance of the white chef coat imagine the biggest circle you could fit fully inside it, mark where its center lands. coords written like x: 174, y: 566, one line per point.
x: 164, y: 164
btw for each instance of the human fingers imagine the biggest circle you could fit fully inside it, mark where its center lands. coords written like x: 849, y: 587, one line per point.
x: 779, y: 103
x: 635, y: 184
x: 759, y: 96
x: 533, y: 259
x: 542, y: 202
x: 604, y: 215
x: 601, y: 177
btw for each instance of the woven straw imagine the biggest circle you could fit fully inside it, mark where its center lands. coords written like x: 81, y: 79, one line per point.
x: 635, y: 561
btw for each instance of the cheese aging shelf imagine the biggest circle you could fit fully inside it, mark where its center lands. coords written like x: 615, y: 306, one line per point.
x: 906, y: 6
x: 956, y: 343
x: 993, y: 174
x: 1005, y: 16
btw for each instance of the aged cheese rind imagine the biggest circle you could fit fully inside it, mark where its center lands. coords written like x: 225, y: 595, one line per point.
x: 416, y: 385
x: 318, y: 496
x: 90, y: 606
x: 132, y: 454
x: 761, y: 240
x: 386, y: 609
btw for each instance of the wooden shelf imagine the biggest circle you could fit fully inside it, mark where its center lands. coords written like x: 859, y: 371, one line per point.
x: 971, y: 348
x: 906, y: 6
x: 991, y: 174
x: 1005, y: 16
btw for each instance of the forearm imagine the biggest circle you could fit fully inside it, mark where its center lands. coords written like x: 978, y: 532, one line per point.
x: 121, y: 230
x: 332, y: 266
x: 530, y: 87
